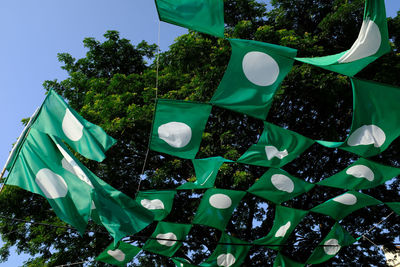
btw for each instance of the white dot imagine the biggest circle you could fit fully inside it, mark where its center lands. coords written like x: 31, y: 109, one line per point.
x: 282, y: 183
x: 51, y: 184
x: 332, y: 246
x: 226, y: 260
x: 367, y: 44
x: 117, y: 254
x: 176, y: 134
x: 220, y: 201
x: 367, y: 135
x: 361, y: 171
x: 154, y: 204
x: 168, y: 243
x: 283, y: 230
x: 71, y: 126
x: 346, y: 199
x: 272, y: 152
x: 260, y: 68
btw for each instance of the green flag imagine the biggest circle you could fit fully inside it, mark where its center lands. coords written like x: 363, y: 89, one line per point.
x: 118, y: 255
x: 167, y: 238
x: 372, y: 43
x: 228, y: 255
x: 395, y: 206
x: 216, y: 207
x: 376, y: 119
x: 254, y: 73
x: 341, y: 206
x: 286, y: 220
x: 362, y: 174
x: 57, y: 118
x: 279, y: 186
x: 38, y: 168
x: 330, y: 246
x: 205, y: 16
x: 178, y: 127
x: 159, y: 202
x: 181, y: 262
x: 276, y: 147
x: 206, y: 173
x: 282, y: 261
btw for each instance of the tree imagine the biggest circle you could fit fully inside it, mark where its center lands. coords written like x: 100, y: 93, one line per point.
x: 113, y: 87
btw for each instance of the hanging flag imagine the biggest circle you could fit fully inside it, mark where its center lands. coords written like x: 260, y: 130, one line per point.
x: 362, y: 174
x: 178, y: 127
x: 330, y: 246
x: 167, y: 238
x: 341, y: 206
x: 216, y: 207
x: 254, y: 73
x: 279, y: 186
x: 286, y: 220
x: 283, y: 261
x: 395, y: 206
x: 181, y: 262
x: 38, y: 168
x: 206, y: 172
x: 206, y: 16
x: 376, y: 119
x: 228, y: 255
x: 158, y: 202
x: 119, y: 255
x: 276, y: 147
x: 57, y: 118
x: 372, y: 43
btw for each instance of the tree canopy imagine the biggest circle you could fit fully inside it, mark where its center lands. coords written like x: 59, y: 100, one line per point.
x: 114, y: 87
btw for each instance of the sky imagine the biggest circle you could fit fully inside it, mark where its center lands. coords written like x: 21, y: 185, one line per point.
x: 33, y: 32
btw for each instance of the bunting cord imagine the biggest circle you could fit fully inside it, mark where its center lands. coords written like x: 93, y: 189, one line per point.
x: 155, y: 103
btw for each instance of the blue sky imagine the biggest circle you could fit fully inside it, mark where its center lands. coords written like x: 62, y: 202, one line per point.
x: 33, y: 32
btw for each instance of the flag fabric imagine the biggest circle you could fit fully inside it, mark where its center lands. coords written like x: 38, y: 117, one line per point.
x: 372, y: 43
x: 362, y: 174
x: 376, y: 119
x: 178, y: 127
x: 159, y: 202
x: 331, y: 244
x: 181, y: 262
x: 278, y: 186
x: 228, y: 255
x: 167, y: 238
x: 283, y: 261
x: 118, y: 255
x: 216, y: 207
x: 286, y: 220
x: 206, y: 16
x: 341, y: 206
x: 57, y: 118
x: 206, y: 172
x: 276, y: 147
x: 38, y: 168
x: 395, y: 206
x: 254, y: 73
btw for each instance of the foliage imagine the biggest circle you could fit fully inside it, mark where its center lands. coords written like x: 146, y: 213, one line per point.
x: 113, y: 87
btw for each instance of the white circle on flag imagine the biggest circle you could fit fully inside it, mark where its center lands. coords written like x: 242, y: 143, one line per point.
x: 220, y: 201
x: 154, y: 204
x: 226, y: 260
x: 168, y: 243
x: 332, y: 246
x: 260, y: 68
x: 283, y: 230
x: 361, y: 171
x: 52, y: 185
x: 346, y: 199
x: 71, y: 126
x: 367, y: 135
x: 175, y: 134
x: 282, y: 183
x: 117, y: 254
